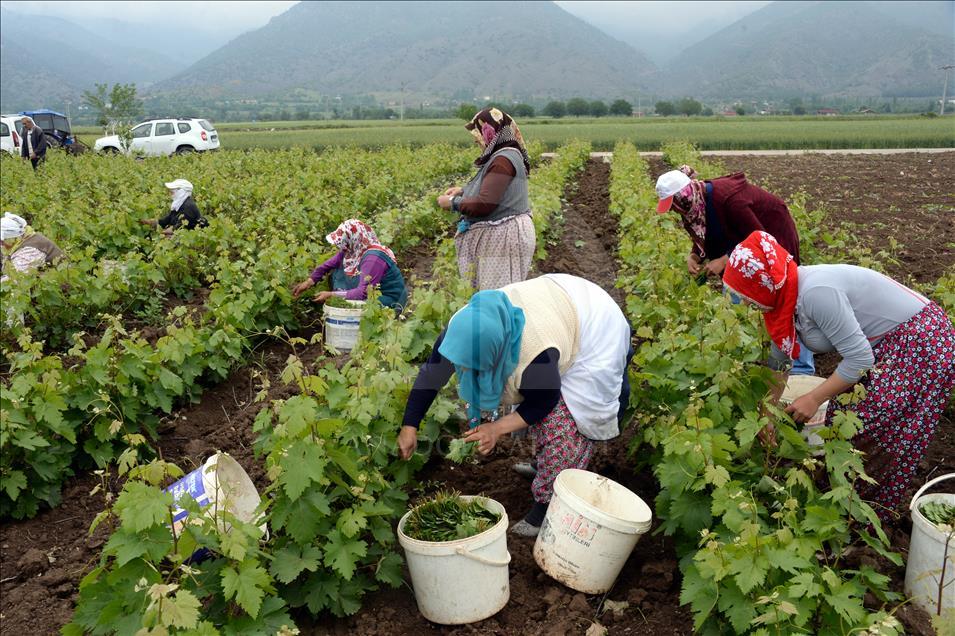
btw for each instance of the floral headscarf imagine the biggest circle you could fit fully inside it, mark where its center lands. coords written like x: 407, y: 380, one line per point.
x: 497, y: 130
x: 355, y: 238
x: 690, y: 203
x: 761, y: 271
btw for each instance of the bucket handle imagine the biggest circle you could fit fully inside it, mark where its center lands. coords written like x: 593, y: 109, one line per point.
x: 476, y: 557
x: 919, y: 492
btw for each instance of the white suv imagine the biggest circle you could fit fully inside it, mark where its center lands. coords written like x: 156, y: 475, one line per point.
x: 10, y: 134
x: 164, y: 137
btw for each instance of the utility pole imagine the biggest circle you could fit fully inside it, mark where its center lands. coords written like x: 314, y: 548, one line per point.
x: 401, y: 111
x: 941, y: 110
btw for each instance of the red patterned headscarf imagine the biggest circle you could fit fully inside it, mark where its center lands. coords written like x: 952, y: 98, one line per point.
x: 761, y: 271
x: 355, y: 238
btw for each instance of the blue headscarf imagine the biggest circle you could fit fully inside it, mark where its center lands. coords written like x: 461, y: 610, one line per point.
x: 483, y: 342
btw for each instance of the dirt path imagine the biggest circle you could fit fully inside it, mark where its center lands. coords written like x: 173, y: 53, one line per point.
x: 539, y: 605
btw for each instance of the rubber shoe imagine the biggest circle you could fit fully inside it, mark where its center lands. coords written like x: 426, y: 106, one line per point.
x: 524, y: 529
x: 524, y: 469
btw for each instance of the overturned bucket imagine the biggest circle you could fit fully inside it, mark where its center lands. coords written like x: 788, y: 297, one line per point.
x: 222, y: 483
x: 591, y: 527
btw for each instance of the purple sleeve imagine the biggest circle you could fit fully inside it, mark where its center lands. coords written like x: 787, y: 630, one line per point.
x: 333, y: 263
x: 371, y: 270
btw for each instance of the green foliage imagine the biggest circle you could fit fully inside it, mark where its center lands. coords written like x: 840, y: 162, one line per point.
x: 939, y: 513
x: 522, y: 110
x: 555, y: 109
x: 598, y: 109
x: 207, y: 574
x: 461, y: 451
x: 760, y: 542
x: 664, y: 108
x: 448, y: 517
x: 578, y: 107
x: 621, y: 107
x: 466, y: 111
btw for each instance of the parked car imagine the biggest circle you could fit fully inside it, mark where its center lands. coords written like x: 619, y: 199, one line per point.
x: 9, y: 135
x: 157, y: 137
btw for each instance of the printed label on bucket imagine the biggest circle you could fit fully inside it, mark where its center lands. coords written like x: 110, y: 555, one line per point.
x: 193, y: 485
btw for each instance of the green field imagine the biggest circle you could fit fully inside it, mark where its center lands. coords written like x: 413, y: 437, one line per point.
x: 742, y: 133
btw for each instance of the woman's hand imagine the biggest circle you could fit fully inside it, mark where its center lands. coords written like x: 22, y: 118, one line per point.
x: 444, y: 201
x: 407, y: 441
x: 693, y: 263
x: 486, y: 436
x: 321, y: 297
x: 716, y: 267
x: 803, y: 408
x: 149, y: 222
x: 299, y: 289
x: 453, y: 191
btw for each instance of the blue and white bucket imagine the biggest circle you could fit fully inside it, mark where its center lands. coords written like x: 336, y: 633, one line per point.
x: 222, y: 482
x: 341, y: 325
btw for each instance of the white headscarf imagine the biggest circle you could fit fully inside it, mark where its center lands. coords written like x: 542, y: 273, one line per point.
x: 182, y: 189
x: 12, y: 226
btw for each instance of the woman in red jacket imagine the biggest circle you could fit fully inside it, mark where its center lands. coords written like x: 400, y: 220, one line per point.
x: 720, y: 213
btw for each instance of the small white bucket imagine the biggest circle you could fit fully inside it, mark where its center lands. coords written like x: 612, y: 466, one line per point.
x: 928, y: 566
x: 796, y: 387
x: 221, y: 483
x: 591, y: 527
x: 463, y: 581
x: 341, y: 325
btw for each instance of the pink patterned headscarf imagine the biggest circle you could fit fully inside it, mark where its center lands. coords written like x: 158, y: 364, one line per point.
x: 355, y: 238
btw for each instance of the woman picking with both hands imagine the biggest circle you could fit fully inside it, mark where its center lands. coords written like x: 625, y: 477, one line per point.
x: 361, y: 262
x: 24, y: 250
x: 558, y: 347
x: 183, y: 211
x: 896, y: 342
x: 496, y: 239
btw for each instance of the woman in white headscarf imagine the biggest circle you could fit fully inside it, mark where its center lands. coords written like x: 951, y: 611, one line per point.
x: 183, y: 211
x: 23, y: 249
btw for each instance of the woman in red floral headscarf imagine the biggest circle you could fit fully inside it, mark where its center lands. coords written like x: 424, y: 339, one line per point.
x: 896, y: 342
x: 360, y: 262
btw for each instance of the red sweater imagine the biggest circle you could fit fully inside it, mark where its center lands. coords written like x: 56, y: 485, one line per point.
x: 743, y: 208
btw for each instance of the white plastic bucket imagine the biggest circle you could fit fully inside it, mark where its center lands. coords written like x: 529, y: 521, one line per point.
x: 463, y: 581
x: 341, y: 325
x: 591, y: 527
x: 221, y: 483
x: 927, y: 555
x: 798, y: 386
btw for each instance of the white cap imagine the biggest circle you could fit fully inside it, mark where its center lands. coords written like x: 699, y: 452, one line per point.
x: 179, y: 184
x: 669, y: 184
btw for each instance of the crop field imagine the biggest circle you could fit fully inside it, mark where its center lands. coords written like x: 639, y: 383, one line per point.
x: 140, y: 356
x: 874, y: 131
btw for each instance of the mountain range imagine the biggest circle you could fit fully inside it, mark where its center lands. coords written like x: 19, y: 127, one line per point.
x: 470, y: 50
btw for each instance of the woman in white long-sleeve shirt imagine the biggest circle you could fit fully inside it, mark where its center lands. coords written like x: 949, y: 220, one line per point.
x: 896, y: 342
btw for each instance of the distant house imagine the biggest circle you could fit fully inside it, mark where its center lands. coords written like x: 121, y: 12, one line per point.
x: 827, y: 111
x: 866, y: 111
x: 729, y: 113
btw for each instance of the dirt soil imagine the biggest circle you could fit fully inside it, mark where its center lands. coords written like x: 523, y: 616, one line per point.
x: 43, y: 559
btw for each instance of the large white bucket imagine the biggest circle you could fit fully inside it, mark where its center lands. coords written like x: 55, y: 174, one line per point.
x: 341, y: 325
x: 222, y: 484
x: 928, y: 566
x: 591, y: 527
x: 798, y: 386
x: 463, y: 581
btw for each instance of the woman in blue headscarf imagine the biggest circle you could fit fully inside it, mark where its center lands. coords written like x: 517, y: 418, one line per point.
x: 556, y: 348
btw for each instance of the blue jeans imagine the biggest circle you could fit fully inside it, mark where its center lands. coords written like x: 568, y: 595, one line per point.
x: 804, y: 364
